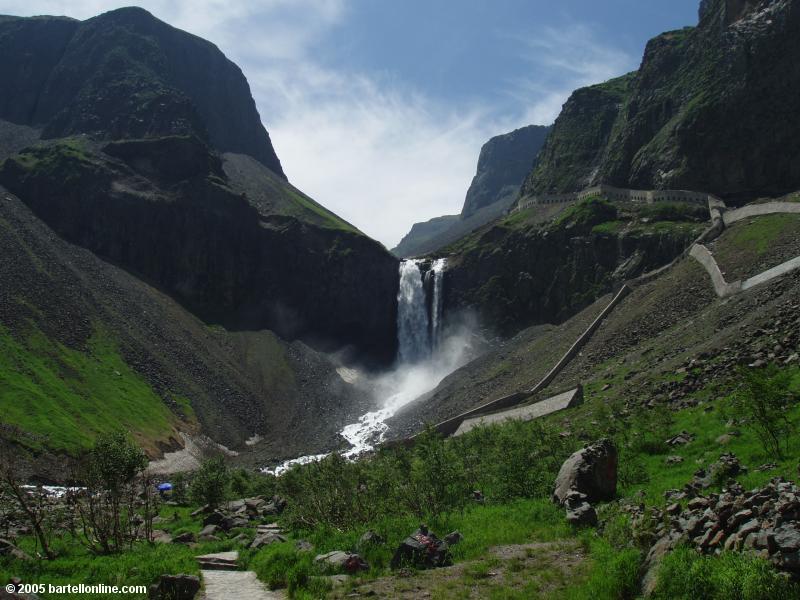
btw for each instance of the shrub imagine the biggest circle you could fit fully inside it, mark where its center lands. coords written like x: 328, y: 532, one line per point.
x: 762, y: 398
x: 586, y: 214
x: 435, y: 476
x: 247, y: 483
x: 211, y: 483
x: 179, y: 488
x: 614, y: 574
x: 281, y: 565
x: 114, y: 476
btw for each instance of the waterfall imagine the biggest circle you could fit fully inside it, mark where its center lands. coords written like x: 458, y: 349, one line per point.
x: 420, y: 367
x: 419, y: 310
x: 412, y: 315
x: 437, y: 304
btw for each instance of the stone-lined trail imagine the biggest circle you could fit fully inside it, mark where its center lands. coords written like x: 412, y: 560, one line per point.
x: 223, y: 580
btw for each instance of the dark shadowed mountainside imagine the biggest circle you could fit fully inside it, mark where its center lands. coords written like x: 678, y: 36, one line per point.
x: 126, y: 74
x: 159, y: 273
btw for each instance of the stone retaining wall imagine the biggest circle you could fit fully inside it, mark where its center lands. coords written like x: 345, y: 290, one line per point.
x: 619, y: 195
x: 757, y: 210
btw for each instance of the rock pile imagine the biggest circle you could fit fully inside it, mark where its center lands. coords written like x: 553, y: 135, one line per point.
x: 765, y: 521
x: 774, y: 339
x: 236, y: 514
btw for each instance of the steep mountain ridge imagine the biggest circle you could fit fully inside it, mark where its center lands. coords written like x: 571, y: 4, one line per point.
x: 503, y: 162
x: 159, y: 272
x: 670, y: 336
x: 712, y: 108
x: 502, y: 165
x: 126, y: 74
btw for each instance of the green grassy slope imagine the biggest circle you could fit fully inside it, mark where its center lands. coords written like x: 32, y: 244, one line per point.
x: 61, y: 398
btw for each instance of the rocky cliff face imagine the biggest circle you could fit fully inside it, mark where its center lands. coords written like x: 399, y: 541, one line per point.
x: 165, y: 209
x: 712, y: 108
x: 576, y: 148
x: 517, y: 273
x: 502, y: 165
x: 125, y: 74
x: 157, y: 160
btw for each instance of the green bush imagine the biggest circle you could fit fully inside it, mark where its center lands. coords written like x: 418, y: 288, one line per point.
x: 179, y: 488
x: 246, y: 483
x: 684, y: 574
x: 211, y: 483
x: 674, y: 211
x: 763, y: 398
x: 112, y: 472
x: 435, y: 476
x: 282, y: 566
x: 586, y: 214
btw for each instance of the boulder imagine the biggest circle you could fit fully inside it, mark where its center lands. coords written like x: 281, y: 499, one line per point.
x: 161, y: 537
x: 209, y: 530
x: 342, y: 561
x: 370, y: 538
x: 579, y: 512
x: 184, y: 538
x: 334, y: 559
x: 453, y: 538
x: 175, y: 587
x: 422, y: 550
x: 591, y: 471
x: 265, y: 539
x: 215, y: 518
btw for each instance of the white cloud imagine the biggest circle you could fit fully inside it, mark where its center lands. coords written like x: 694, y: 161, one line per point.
x: 378, y: 152
x: 563, y: 60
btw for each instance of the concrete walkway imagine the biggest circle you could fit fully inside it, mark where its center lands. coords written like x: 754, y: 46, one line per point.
x: 241, y: 585
x: 223, y: 581
x: 724, y: 289
x: 525, y: 413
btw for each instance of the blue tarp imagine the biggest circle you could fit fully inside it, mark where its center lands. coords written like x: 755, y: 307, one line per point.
x: 163, y: 487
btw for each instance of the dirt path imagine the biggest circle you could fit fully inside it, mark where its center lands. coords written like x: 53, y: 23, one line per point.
x: 536, y: 570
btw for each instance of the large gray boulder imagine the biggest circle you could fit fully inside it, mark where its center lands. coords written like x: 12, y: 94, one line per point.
x: 591, y: 471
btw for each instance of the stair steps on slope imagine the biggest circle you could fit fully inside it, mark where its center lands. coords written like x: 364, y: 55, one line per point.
x: 220, y: 561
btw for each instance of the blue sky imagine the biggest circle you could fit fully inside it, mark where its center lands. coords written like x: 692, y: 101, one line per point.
x: 378, y: 109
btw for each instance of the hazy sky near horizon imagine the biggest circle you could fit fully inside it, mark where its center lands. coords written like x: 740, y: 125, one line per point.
x: 378, y: 109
